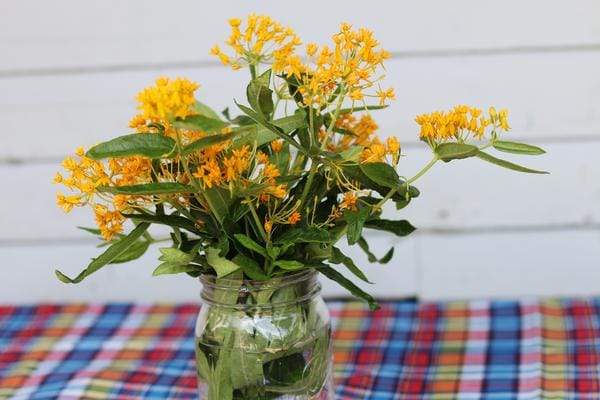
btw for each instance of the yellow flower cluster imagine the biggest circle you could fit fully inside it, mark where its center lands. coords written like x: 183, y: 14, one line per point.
x: 167, y: 99
x: 257, y: 41
x: 461, y: 120
x: 352, y: 64
x: 84, y: 177
x: 109, y: 222
x: 361, y: 132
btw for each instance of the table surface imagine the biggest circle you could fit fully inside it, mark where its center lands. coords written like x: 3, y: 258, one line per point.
x: 528, y: 349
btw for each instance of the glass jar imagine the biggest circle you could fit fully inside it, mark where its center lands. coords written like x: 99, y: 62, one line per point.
x: 264, y: 339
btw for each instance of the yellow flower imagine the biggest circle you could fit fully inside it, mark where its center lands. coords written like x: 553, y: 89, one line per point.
x: 374, y: 153
x: 58, y: 178
x: 271, y: 172
x: 167, y: 99
x: 386, y: 94
x: 356, y: 94
x: 68, y: 202
x: 311, y: 49
x: 349, y: 201
x: 209, y: 173
x: 278, y: 191
x: 259, y: 39
x: 109, y: 222
x: 393, y: 148
x: 261, y: 157
x: 503, y: 118
x: 453, y: 124
x: 268, y: 226
x: 294, y: 218
x: 277, y: 145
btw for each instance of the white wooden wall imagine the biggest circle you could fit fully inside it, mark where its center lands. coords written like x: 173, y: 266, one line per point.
x: 69, y: 71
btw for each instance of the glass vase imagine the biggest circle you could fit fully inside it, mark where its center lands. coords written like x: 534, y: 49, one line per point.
x: 264, y: 339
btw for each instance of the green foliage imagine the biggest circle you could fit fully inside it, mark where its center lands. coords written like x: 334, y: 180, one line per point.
x: 148, y: 188
x: 455, y: 151
x: 355, y: 221
x: 149, y: 145
x: 347, y: 284
x: 398, y: 228
x: 221, y: 265
x: 110, y: 254
x: 340, y: 258
x: 507, y: 164
x: 517, y: 148
x: 200, y: 122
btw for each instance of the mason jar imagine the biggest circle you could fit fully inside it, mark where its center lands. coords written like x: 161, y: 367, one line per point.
x: 264, y: 339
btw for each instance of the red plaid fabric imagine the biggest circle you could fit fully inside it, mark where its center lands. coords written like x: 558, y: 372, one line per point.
x: 406, y: 350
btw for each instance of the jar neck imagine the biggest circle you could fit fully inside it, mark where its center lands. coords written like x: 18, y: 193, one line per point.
x: 277, y: 291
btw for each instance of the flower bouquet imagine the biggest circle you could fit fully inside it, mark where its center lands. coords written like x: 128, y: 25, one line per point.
x: 257, y: 199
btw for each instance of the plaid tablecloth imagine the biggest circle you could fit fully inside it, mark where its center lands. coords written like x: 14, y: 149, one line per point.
x: 406, y: 350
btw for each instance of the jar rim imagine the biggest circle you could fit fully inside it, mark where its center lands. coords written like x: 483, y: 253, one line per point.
x: 210, y: 280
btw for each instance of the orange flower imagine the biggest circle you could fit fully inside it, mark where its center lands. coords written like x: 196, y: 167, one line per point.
x: 294, y: 218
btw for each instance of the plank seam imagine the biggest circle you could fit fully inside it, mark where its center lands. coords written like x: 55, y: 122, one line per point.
x: 193, y: 64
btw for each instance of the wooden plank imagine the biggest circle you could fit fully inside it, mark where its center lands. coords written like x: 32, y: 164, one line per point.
x: 435, y: 267
x: 69, y: 33
x: 563, y: 263
x: 31, y: 277
x: 465, y: 194
x: 49, y: 116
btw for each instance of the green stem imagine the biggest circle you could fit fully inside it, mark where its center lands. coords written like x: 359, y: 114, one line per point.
x: 309, y: 181
x: 252, y: 71
x: 259, y: 225
x: 419, y: 174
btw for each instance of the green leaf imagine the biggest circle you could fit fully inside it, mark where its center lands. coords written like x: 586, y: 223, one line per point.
x: 261, y: 135
x: 356, y: 221
x: 285, y: 371
x: 310, y: 234
x: 517, y: 148
x: 348, y: 285
x: 250, y: 267
x: 169, y: 220
x: 362, y: 243
x: 135, y: 251
x: 207, y: 141
x: 361, y: 108
x: 399, y: 228
x: 507, y: 164
x: 289, y: 265
x: 151, y: 145
x: 222, y: 266
x: 382, y: 174
x: 173, y: 255
x: 260, y: 96
x: 148, y: 188
x: 218, y: 200
x: 203, y: 109
x: 453, y: 151
x: 168, y: 268
x: 352, y: 153
x: 200, y: 122
x: 251, y: 244
x: 271, y: 127
x: 93, y: 231
x: 110, y: 254
x: 176, y: 261
x: 340, y: 258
